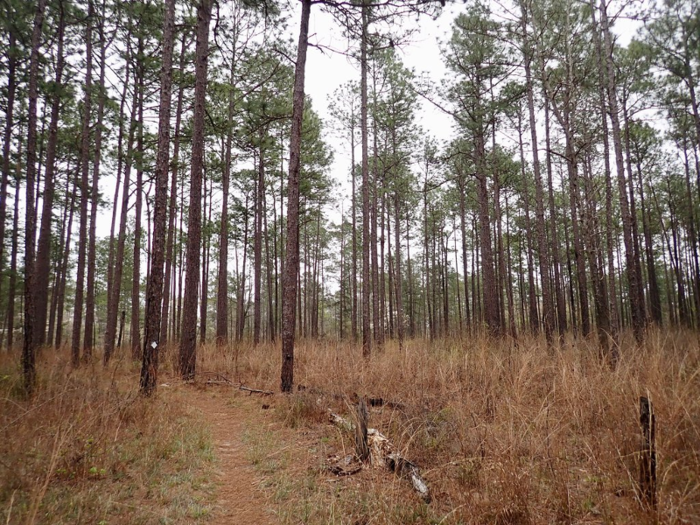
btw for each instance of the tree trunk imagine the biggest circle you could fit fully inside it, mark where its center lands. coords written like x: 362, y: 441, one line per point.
x: 188, y: 349
x: 291, y: 266
x: 30, y: 336
x: 136, y: 273
x: 257, y: 244
x: 635, y: 287
x: 115, y: 289
x: 154, y: 288
x: 7, y: 139
x: 13, y: 277
x: 84, y: 169
x: 88, y: 340
x: 548, y: 321
x: 169, y: 275
x: 222, y: 279
x: 61, y: 262
x: 43, y: 257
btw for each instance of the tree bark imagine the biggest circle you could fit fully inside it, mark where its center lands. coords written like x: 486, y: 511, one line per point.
x: 154, y: 289
x: 7, y: 139
x: 366, y: 328
x: 548, y: 320
x: 136, y: 270
x: 257, y: 244
x: 30, y: 337
x: 222, y: 278
x: 291, y: 266
x: 169, y: 278
x: 188, y: 349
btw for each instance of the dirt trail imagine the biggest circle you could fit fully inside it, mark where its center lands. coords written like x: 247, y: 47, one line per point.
x: 239, y: 497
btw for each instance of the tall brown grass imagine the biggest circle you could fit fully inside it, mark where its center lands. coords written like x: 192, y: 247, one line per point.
x: 506, y: 433
x: 86, y: 448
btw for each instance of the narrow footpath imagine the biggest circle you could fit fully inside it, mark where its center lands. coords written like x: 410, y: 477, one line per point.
x: 240, y: 499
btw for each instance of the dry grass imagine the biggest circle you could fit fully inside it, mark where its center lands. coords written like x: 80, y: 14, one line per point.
x: 88, y: 449
x: 504, y: 434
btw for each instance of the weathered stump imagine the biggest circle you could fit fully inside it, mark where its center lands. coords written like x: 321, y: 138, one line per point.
x: 647, y: 456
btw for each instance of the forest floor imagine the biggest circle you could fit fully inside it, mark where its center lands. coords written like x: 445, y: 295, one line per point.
x: 503, y: 433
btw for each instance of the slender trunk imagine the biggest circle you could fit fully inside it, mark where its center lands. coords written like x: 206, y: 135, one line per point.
x: 136, y: 273
x: 30, y: 336
x: 240, y: 303
x: 654, y: 293
x: 489, y: 288
x: 206, y: 246
x: 66, y: 222
x: 188, y: 349
x: 84, y: 169
x: 553, y: 237
x: 88, y: 341
x: 115, y: 290
x: 531, y: 295
x: 13, y: 275
x: 353, y: 321
x: 635, y: 287
x: 169, y: 274
x: 600, y: 294
x: 548, y: 320
x: 463, y: 230
x: 154, y: 288
x: 409, y: 276
x: 268, y: 276
x: 120, y: 165
x: 257, y: 244
x: 43, y: 257
x: 366, y: 334
x: 7, y: 139
x: 222, y: 279
x: 291, y: 266
x: 612, y: 309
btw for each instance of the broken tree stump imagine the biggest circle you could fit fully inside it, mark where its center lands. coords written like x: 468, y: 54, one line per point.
x: 361, y: 446
x: 647, y: 457
x: 383, y: 454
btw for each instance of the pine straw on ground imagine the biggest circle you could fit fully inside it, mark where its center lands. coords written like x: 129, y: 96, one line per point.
x: 504, y: 433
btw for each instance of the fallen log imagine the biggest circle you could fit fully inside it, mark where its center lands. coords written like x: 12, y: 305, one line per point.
x: 383, y: 454
x: 256, y: 391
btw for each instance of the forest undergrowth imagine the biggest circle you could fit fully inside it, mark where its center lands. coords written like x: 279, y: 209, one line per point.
x: 87, y: 448
x: 503, y: 433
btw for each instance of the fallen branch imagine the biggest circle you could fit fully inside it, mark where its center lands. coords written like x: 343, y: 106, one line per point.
x: 383, y: 454
x: 256, y: 391
x: 216, y: 379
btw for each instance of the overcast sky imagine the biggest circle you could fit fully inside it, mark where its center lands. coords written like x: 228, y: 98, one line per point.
x: 326, y: 71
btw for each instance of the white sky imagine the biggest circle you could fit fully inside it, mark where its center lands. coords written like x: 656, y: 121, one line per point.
x: 326, y: 71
